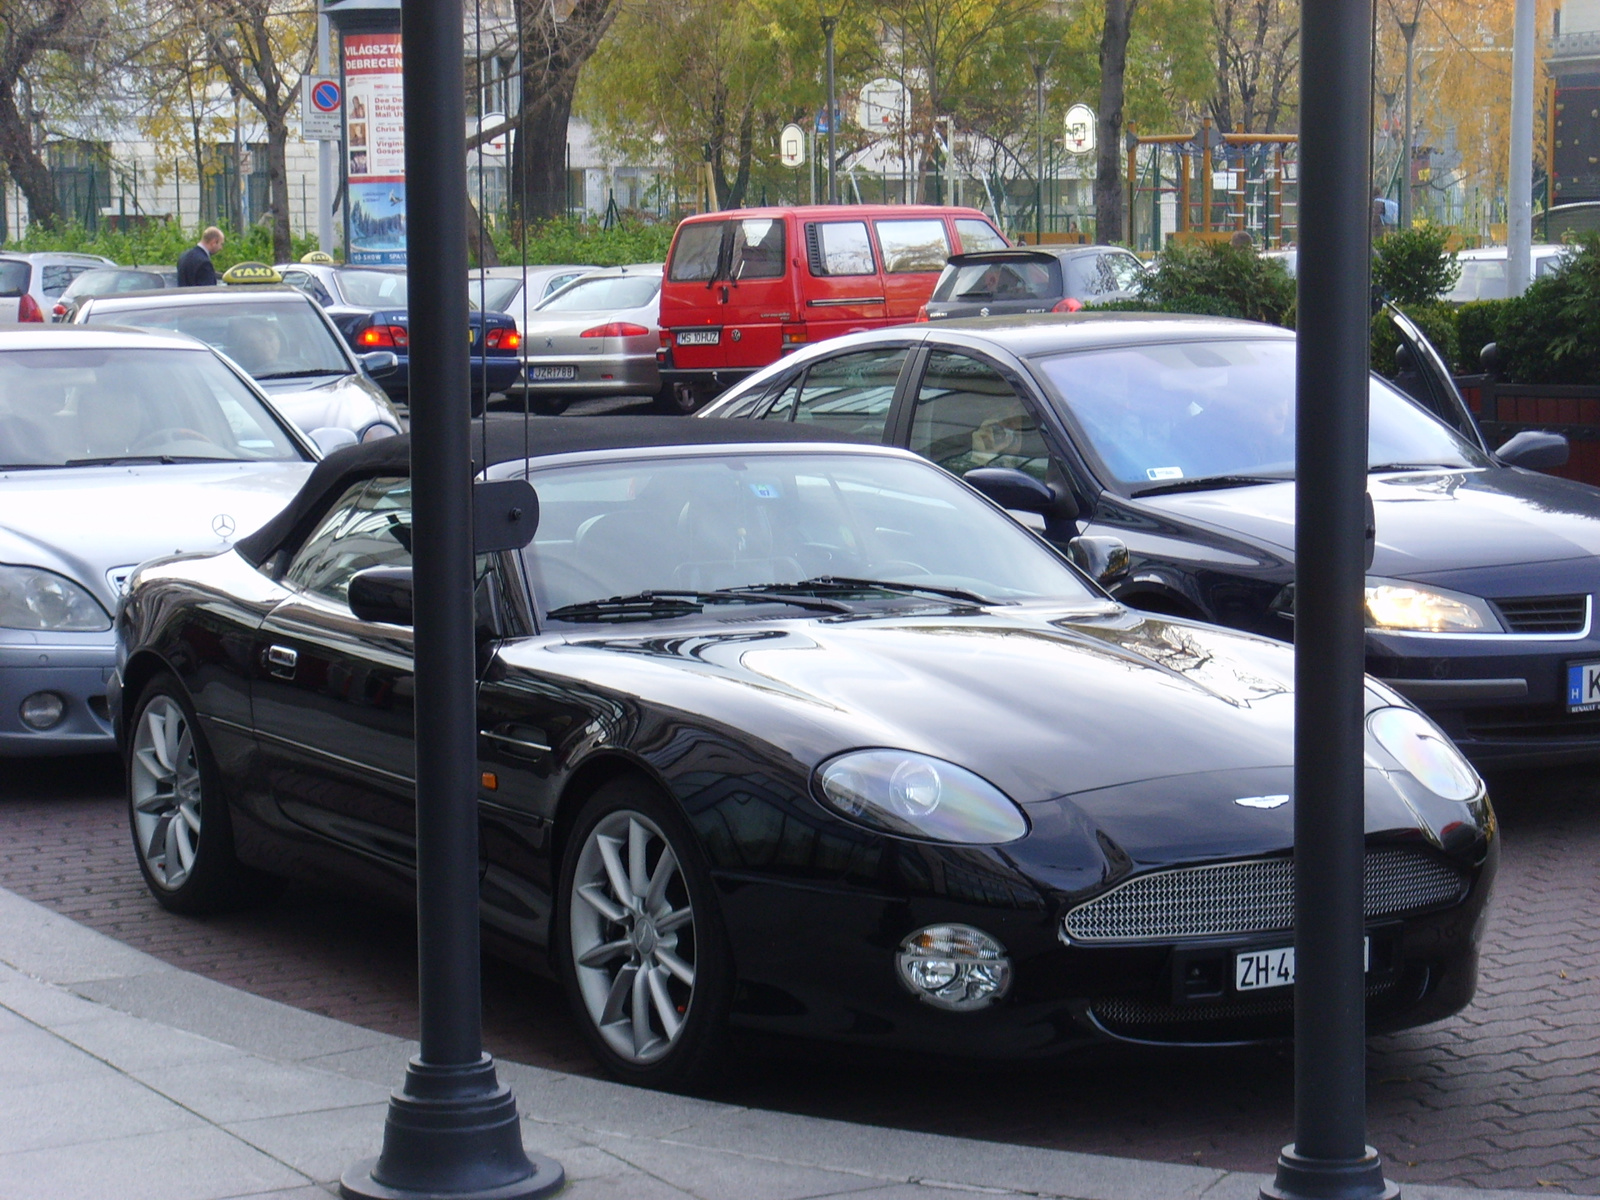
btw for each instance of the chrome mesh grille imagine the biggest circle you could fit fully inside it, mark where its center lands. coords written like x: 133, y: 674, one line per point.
x: 1255, y: 896
x: 1545, y: 614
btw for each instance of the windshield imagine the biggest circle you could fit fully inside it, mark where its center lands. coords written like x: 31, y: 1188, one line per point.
x: 374, y: 289
x: 1020, y: 279
x: 605, y: 293
x: 269, y: 340
x: 63, y: 407
x: 1190, y: 410
x: 492, y: 294
x: 725, y: 520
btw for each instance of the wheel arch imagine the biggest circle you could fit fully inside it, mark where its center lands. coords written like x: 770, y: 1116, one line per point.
x: 144, y: 666
x: 590, y: 776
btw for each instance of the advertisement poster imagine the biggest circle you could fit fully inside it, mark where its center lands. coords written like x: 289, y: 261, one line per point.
x: 375, y: 149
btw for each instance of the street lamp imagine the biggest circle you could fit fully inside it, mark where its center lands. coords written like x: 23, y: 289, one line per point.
x: 1408, y: 30
x: 830, y: 21
x: 1038, y: 152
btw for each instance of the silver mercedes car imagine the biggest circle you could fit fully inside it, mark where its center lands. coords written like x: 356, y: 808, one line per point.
x: 282, y: 338
x: 115, y: 447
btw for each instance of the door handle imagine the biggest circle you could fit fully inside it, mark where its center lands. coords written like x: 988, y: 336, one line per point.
x: 724, y: 293
x: 281, y: 661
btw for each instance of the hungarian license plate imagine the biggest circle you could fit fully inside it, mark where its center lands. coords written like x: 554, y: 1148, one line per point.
x: 1583, y: 687
x: 1257, y: 970
x: 552, y: 372
x: 699, y: 337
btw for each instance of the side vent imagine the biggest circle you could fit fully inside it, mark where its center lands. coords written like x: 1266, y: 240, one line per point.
x: 814, y: 249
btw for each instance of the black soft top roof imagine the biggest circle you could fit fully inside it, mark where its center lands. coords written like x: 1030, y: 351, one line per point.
x: 505, y: 437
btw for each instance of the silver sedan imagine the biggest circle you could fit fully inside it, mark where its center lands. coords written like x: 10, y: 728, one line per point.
x: 595, y: 337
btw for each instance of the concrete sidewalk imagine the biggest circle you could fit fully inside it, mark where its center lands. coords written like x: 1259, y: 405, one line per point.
x: 122, y: 1077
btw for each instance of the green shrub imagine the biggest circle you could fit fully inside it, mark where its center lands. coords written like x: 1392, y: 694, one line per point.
x: 572, y: 241
x: 157, y: 243
x: 1437, y: 322
x: 1412, y: 266
x: 1478, y: 322
x: 1218, y: 280
x: 1551, y: 333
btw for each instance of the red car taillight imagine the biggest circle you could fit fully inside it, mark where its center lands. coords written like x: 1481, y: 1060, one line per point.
x: 616, y: 329
x: 1068, y: 305
x: 503, y: 339
x: 59, y: 311
x: 794, y: 335
x: 28, y: 309
x: 393, y: 337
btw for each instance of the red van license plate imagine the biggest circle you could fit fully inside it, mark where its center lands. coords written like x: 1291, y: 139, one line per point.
x: 700, y: 337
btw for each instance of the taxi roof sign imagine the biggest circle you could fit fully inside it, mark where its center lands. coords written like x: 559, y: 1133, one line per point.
x: 251, y: 272
x: 320, y: 258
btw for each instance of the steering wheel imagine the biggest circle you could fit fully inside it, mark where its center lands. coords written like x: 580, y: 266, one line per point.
x: 151, y: 440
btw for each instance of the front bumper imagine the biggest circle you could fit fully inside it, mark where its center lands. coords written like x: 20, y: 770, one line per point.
x: 75, y: 667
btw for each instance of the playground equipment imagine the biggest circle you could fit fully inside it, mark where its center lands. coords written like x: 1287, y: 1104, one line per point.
x: 1217, y: 184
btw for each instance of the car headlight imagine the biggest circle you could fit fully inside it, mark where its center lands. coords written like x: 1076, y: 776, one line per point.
x: 33, y: 598
x: 1413, y: 741
x: 1393, y: 604
x: 913, y: 795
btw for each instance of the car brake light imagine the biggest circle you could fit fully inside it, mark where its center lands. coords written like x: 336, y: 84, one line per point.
x: 28, y: 309
x: 1068, y: 305
x: 59, y: 310
x: 922, y: 313
x: 393, y: 336
x: 794, y: 335
x: 616, y: 329
x: 503, y: 339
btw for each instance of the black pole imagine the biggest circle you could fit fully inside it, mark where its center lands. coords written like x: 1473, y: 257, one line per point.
x: 1038, y: 154
x: 828, y: 24
x: 452, y: 1128
x: 1330, y: 1159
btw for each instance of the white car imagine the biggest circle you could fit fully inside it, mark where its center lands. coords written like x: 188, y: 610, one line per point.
x: 36, y: 280
x: 1483, y: 271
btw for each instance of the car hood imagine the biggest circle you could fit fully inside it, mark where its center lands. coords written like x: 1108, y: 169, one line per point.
x: 90, y: 522
x: 1427, y: 523
x: 1040, y: 704
x: 341, y: 402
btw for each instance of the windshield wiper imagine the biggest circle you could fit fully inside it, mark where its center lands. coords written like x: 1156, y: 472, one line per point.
x: 1416, y: 466
x: 850, y: 583
x: 303, y: 374
x: 652, y: 605
x: 135, y: 460
x: 1205, y: 483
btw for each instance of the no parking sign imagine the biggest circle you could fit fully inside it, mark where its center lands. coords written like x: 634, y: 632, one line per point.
x: 321, y: 109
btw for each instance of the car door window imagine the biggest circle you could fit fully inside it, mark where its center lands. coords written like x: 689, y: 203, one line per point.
x: 759, y: 249
x: 840, y: 248
x: 910, y: 246
x: 1127, y: 270
x: 782, y: 395
x: 978, y: 235
x: 369, y: 526
x: 968, y: 415
x: 852, y: 392
x: 698, y: 252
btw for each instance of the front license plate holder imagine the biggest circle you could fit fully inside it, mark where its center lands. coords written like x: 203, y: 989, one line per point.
x: 543, y: 374
x: 1583, y: 686
x: 1259, y: 970
x: 699, y: 337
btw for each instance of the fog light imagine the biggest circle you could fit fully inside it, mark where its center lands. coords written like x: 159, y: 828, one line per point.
x: 42, y: 710
x: 955, y: 967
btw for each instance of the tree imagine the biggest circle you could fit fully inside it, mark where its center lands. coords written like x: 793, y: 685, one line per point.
x: 28, y: 31
x: 1108, y: 191
x: 1257, y: 63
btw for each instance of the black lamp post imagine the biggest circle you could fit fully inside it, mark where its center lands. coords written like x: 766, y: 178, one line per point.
x: 1330, y: 1159
x: 829, y: 23
x: 452, y: 1128
x: 1038, y: 152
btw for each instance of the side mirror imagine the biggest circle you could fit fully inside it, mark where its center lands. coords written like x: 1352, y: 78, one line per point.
x: 330, y: 438
x: 1014, y: 489
x: 381, y: 594
x: 1536, y: 450
x: 1103, y: 559
x: 379, y: 363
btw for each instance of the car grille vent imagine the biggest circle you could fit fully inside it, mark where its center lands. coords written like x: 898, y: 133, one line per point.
x: 1243, y: 1020
x: 1256, y: 896
x: 1544, y: 614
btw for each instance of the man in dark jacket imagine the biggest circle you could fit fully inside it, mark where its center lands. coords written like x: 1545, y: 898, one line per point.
x: 194, y: 266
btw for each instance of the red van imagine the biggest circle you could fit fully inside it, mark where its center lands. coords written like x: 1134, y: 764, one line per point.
x: 743, y: 287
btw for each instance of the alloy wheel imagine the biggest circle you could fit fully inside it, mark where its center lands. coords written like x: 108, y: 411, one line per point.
x: 633, y: 936
x: 165, y: 791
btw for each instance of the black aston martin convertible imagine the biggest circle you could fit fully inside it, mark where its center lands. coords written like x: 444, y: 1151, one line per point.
x: 790, y: 734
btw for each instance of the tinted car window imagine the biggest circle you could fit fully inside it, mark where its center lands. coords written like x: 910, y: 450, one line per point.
x: 603, y: 294
x: 852, y: 392
x: 14, y: 277
x: 269, y: 340
x: 1188, y: 410
x: 495, y: 294
x: 909, y: 246
x: 369, y: 526
x: 108, y: 282
x: 61, y: 406
x: 1127, y: 271
x: 978, y: 235
x: 374, y: 289
x: 697, y: 252
x: 1021, y: 279
x: 968, y: 416
x: 714, y: 521
x: 54, y: 277
x: 759, y: 249
x: 841, y: 248
x: 1088, y: 276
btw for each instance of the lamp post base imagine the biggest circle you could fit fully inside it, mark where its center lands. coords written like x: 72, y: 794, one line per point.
x: 452, y: 1133
x: 1302, y: 1178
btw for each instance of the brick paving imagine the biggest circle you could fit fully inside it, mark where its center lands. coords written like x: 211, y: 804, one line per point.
x: 1506, y: 1095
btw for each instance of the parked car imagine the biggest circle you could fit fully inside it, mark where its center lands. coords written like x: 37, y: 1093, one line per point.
x: 105, y: 281
x: 518, y: 290
x: 597, y: 336
x: 1168, y: 443
x: 1483, y: 271
x: 35, y: 279
x: 282, y: 338
x: 115, y: 447
x: 368, y: 306
x: 747, y: 286
x: 1023, y: 279
x: 788, y: 734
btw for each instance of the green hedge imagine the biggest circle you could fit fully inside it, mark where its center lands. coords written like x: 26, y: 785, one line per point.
x: 1217, y: 280
x: 571, y: 241
x: 158, y: 243
x: 1437, y: 322
x: 1478, y: 322
x: 1412, y: 266
x: 1551, y: 333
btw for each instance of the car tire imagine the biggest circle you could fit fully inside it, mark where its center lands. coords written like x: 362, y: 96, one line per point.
x: 677, y: 399
x: 179, y: 819
x: 639, y: 942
